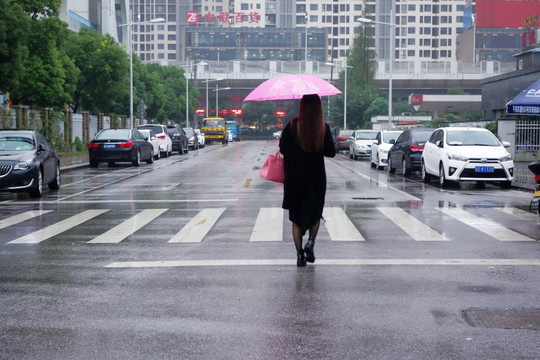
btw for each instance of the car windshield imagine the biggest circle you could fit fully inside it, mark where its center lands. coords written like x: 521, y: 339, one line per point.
x: 387, y: 136
x: 471, y: 138
x: 188, y: 131
x: 155, y: 128
x: 365, y: 135
x: 16, y: 142
x: 118, y: 134
x: 212, y: 123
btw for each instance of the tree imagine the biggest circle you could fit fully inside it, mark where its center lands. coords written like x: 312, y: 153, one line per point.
x: 379, y: 106
x: 103, y: 82
x: 14, y: 26
x: 260, y: 113
x: 148, y: 88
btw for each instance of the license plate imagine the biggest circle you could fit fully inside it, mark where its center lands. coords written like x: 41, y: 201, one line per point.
x: 484, y: 169
x: 534, y: 204
x: 108, y: 146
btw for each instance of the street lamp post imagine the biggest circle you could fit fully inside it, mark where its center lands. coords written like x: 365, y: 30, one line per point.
x: 217, y: 97
x: 129, y: 25
x: 207, y: 81
x: 305, y: 44
x: 391, y: 59
x: 346, y: 70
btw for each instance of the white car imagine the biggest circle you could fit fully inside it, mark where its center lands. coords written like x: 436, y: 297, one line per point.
x: 151, y: 137
x: 466, y: 154
x: 381, y: 146
x: 165, y: 142
x: 360, y: 143
x: 200, y: 136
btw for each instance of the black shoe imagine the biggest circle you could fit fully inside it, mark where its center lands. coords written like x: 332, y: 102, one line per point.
x: 300, y: 258
x: 310, y: 255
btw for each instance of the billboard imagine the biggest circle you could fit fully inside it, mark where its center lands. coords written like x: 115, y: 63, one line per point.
x: 507, y: 13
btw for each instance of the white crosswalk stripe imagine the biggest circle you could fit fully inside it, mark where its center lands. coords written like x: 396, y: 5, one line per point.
x: 128, y: 227
x: 484, y: 225
x: 411, y: 225
x: 21, y: 217
x: 339, y: 226
x: 58, y: 228
x: 199, y: 226
x: 269, y: 225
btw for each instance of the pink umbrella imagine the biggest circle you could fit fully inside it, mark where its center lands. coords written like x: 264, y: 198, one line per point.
x: 291, y: 87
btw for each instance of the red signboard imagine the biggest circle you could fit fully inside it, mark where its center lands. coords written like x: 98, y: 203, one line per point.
x: 507, y: 13
x: 192, y: 17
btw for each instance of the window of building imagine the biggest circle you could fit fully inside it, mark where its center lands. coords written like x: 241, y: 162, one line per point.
x: 426, y: 53
x: 357, y: 7
x: 314, y: 18
x: 244, y: 6
x: 171, y: 27
x: 171, y: 37
x: 411, y: 7
x: 314, y: 7
x: 161, y: 37
x: 171, y: 17
x: 411, y: 30
x: 427, y: 42
x: 171, y: 47
x: 161, y: 46
x: 171, y: 56
x: 443, y: 54
x: 411, y: 41
x: 411, y: 19
x: 161, y: 56
x: 161, y: 27
x: 411, y: 53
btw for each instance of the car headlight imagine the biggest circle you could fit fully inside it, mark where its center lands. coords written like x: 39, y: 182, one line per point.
x: 456, y: 157
x: 384, y: 151
x: 506, y: 157
x: 22, y: 165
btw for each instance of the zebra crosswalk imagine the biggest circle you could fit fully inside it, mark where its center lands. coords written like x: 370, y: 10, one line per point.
x: 268, y: 226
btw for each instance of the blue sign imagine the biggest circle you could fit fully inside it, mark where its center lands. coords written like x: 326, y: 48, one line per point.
x: 527, y: 102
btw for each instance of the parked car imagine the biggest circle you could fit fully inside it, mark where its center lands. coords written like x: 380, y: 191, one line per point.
x: 120, y: 145
x: 466, y: 154
x: 360, y: 143
x: 200, y: 136
x: 179, y: 138
x: 277, y: 134
x: 406, y: 152
x: 151, y: 137
x: 342, y: 140
x: 27, y: 162
x: 165, y: 141
x: 193, y: 139
x: 379, y: 149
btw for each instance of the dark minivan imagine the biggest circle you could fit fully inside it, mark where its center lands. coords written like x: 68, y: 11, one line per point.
x: 406, y: 153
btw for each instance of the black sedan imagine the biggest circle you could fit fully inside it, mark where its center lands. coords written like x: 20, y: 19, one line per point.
x: 27, y: 162
x: 406, y: 151
x: 120, y: 145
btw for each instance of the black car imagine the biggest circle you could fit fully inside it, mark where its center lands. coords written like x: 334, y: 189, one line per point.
x: 120, y: 145
x: 406, y: 152
x: 179, y: 139
x: 27, y: 162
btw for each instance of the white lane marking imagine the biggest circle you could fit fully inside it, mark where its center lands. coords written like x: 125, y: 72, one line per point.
x: 128, y: 227
x: 335, y: 262
x: 120, y: 201
x: 170, y: 187
x: 269, y: 225
x: 411, y: 225
x: 339, y: 226
x: 98, y: 187
x: 199, y: 226
x: 520, y: 214
x: 59, y: 227
x: 373, y: 180
x: 486, y: 226
x: 15, y: 219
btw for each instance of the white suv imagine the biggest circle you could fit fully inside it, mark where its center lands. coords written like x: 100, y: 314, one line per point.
x: 467, y: 154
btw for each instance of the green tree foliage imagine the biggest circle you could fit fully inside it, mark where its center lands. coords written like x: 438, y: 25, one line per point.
x: 103, y: 81
x: 14, y: 27
x: 260, y: 113
x: 456, y: 90
x: 148, y: 87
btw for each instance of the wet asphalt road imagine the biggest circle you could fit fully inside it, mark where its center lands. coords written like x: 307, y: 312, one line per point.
x: 174, y: 260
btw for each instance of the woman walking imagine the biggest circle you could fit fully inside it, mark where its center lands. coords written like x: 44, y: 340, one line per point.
x: 304, y: 142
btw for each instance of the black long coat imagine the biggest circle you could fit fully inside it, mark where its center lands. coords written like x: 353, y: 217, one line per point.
x: 305, y: 178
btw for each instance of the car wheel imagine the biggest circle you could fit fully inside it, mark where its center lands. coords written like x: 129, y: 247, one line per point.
x: 137, y: 160
x: 442, y: 179
x: 37, y: 187
x: 55, y: 184
x: 426, y: 177
x: 165, y: 154
x: 151, y: 158
x: 158, y: 155
x: 93, y: 164
x: 111, y: 163
x: 391, y: 169
x: 404, y: 169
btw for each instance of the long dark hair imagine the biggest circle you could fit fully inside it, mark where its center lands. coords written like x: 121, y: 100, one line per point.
x: 310, y: 124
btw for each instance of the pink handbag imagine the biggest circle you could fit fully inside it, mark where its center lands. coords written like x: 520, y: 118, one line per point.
x: 273, y: 168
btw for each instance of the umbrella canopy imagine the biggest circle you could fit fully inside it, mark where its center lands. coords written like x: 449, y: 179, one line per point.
x: 527, y: 102
x: 291, y: 87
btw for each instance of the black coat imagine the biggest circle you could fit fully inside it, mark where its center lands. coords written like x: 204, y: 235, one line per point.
x: 305, y: 178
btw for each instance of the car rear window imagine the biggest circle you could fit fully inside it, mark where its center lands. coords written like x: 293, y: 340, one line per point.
x: 155, y: 128
x: 421, y: 136
x: 117, y: 134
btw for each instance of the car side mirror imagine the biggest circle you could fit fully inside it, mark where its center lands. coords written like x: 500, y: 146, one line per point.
x: 439, y: 143
x: 506, y: 144
x: 146, y: 138
x: 392, y: 141
x: 41, y: 148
